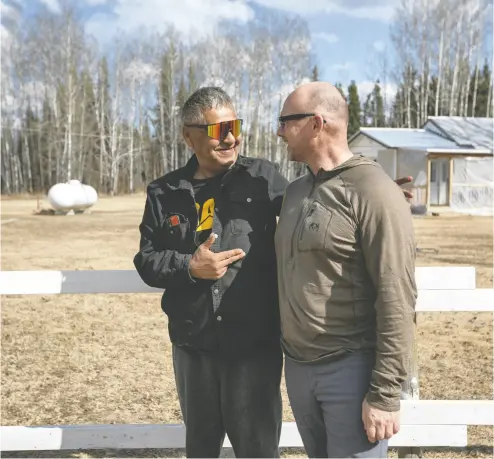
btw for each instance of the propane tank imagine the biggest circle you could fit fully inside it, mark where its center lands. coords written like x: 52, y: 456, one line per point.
x: 72, y: 196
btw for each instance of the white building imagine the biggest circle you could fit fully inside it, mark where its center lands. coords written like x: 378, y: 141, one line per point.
x: 450, y: 160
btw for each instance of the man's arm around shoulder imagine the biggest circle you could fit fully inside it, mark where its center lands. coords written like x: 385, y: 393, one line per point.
x: 159, y: 267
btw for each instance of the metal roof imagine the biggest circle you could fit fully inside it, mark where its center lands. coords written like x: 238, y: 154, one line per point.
x: 465, y: 132
x: 407, y: 138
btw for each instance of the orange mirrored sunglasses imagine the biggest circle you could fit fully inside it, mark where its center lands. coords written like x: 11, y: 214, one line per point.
x: 219, y: 131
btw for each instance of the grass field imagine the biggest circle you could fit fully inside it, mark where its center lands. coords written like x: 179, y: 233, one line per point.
x: 74, y: 359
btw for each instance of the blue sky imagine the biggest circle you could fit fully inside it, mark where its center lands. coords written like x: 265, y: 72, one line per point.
x: 348, y: 35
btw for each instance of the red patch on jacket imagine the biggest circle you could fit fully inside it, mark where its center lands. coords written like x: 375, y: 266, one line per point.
x: 174, y: 220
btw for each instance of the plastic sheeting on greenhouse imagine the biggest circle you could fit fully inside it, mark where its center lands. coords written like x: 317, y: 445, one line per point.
x: 414, y: 163
x: 472, y: 186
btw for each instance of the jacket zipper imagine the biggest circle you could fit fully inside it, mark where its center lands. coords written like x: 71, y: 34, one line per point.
x: 299, y: 225
x: 302, y: 228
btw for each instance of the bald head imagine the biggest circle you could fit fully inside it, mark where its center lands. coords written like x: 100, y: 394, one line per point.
x: 314, y: 125
x: 322, y: 97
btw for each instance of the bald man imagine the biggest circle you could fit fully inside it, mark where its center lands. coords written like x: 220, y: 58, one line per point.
x: 346, y: 272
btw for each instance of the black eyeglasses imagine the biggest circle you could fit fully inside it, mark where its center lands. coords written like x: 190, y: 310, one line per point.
x: 296, y: 116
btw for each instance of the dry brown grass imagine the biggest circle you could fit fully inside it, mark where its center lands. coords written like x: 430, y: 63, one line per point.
x: 74, y: 359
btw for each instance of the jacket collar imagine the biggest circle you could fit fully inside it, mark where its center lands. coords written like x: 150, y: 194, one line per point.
x: 192, y: 163
x: 186, y: 174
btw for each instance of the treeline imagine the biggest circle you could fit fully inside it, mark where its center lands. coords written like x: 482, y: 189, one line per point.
x: 112, y: 121
x: 440, y: 66
x: 406, y: 109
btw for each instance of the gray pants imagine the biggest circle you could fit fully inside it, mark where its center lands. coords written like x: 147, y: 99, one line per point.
x: 239, y: 396
x: 326, y: 400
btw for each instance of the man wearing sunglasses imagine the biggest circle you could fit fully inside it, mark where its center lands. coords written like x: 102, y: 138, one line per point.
x: 346, y: 273
x: 207, y: 238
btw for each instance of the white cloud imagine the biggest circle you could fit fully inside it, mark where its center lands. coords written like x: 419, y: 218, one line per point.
x: 5, y: 38
x: 140, y: 71
x: 382, y: 10
x: 366, y: 87
x: 12, y: 14
x: 31, y: 94
x: 379, y: 46
x: 9, y: 12
x: 130, y: 15
x: 342, y: 67
x: 95, y: 2
x: 329, y: 37
x: 52, y: 5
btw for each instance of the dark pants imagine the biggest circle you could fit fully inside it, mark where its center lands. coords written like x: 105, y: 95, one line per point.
x: 326, y: 400
x: 239, y: 396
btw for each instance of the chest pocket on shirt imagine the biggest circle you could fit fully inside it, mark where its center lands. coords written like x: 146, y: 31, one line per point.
x: 175, y: 231
x: 247, y: 212
x: 314, y: 228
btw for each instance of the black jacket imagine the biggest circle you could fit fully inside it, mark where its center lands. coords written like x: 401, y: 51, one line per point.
x: 239, y: 313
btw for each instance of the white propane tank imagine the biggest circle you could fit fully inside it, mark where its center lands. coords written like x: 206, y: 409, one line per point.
x: 61, y: 197
x: 72, y: 196
x: 83, y: 198
x: 91, y: 195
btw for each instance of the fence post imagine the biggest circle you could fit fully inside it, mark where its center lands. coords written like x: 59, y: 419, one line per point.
x: 410, y: 389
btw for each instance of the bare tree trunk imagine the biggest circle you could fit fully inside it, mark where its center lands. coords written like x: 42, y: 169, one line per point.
x: 164, y: 152
x: 41, y: 161
x: 249, y: 117
x: 440, y: 68
x: 141, y: 132
x: 489, y: 100
x: 475, y: 86
x: 7, y: 165
x: 27, y: 159
x: 131, y: 129
x: 409, y: 96
x: 70, y: 94
x: 82, y: 143
x: 427, y: 90
x: 453, y: 97
x: 257, y: 120
x: 115, y: 136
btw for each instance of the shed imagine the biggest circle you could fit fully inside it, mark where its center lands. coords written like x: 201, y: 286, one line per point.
x: 450, y: 160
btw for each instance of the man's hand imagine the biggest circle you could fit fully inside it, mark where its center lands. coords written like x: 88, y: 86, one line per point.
x: 379, y: 424
x: 402, y: 181
x: 210, y: 265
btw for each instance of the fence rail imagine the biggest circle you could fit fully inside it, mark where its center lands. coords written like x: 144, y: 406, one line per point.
x: 425, y: 423
x: 128, y: 281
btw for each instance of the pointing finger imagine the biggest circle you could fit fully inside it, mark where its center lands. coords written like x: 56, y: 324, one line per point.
x: 230, y: 254
x: 230, y: 260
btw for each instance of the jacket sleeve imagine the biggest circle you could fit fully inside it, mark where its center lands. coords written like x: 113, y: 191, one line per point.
x: 157, y: 266
x: 277, y: 187
x: 389, y: 250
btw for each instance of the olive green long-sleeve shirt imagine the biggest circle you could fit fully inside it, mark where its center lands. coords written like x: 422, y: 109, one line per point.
x: 346, y: 272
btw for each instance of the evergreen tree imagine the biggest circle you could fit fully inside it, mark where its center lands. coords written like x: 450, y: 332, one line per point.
x: 379, y: 117
x: 397, y: 110
x: 161, y: 116
x: 315, y: 73
x: 340, y: 88
x: 483, y: 92
x: 192, y: 78
x: 369, y: 109
x: 181, y: 145
x: 354, y: 109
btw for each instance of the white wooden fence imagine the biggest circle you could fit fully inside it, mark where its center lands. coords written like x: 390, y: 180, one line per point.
x: 425, y: 423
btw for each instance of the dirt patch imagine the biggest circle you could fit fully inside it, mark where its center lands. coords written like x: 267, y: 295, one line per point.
x: 75, y: 359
